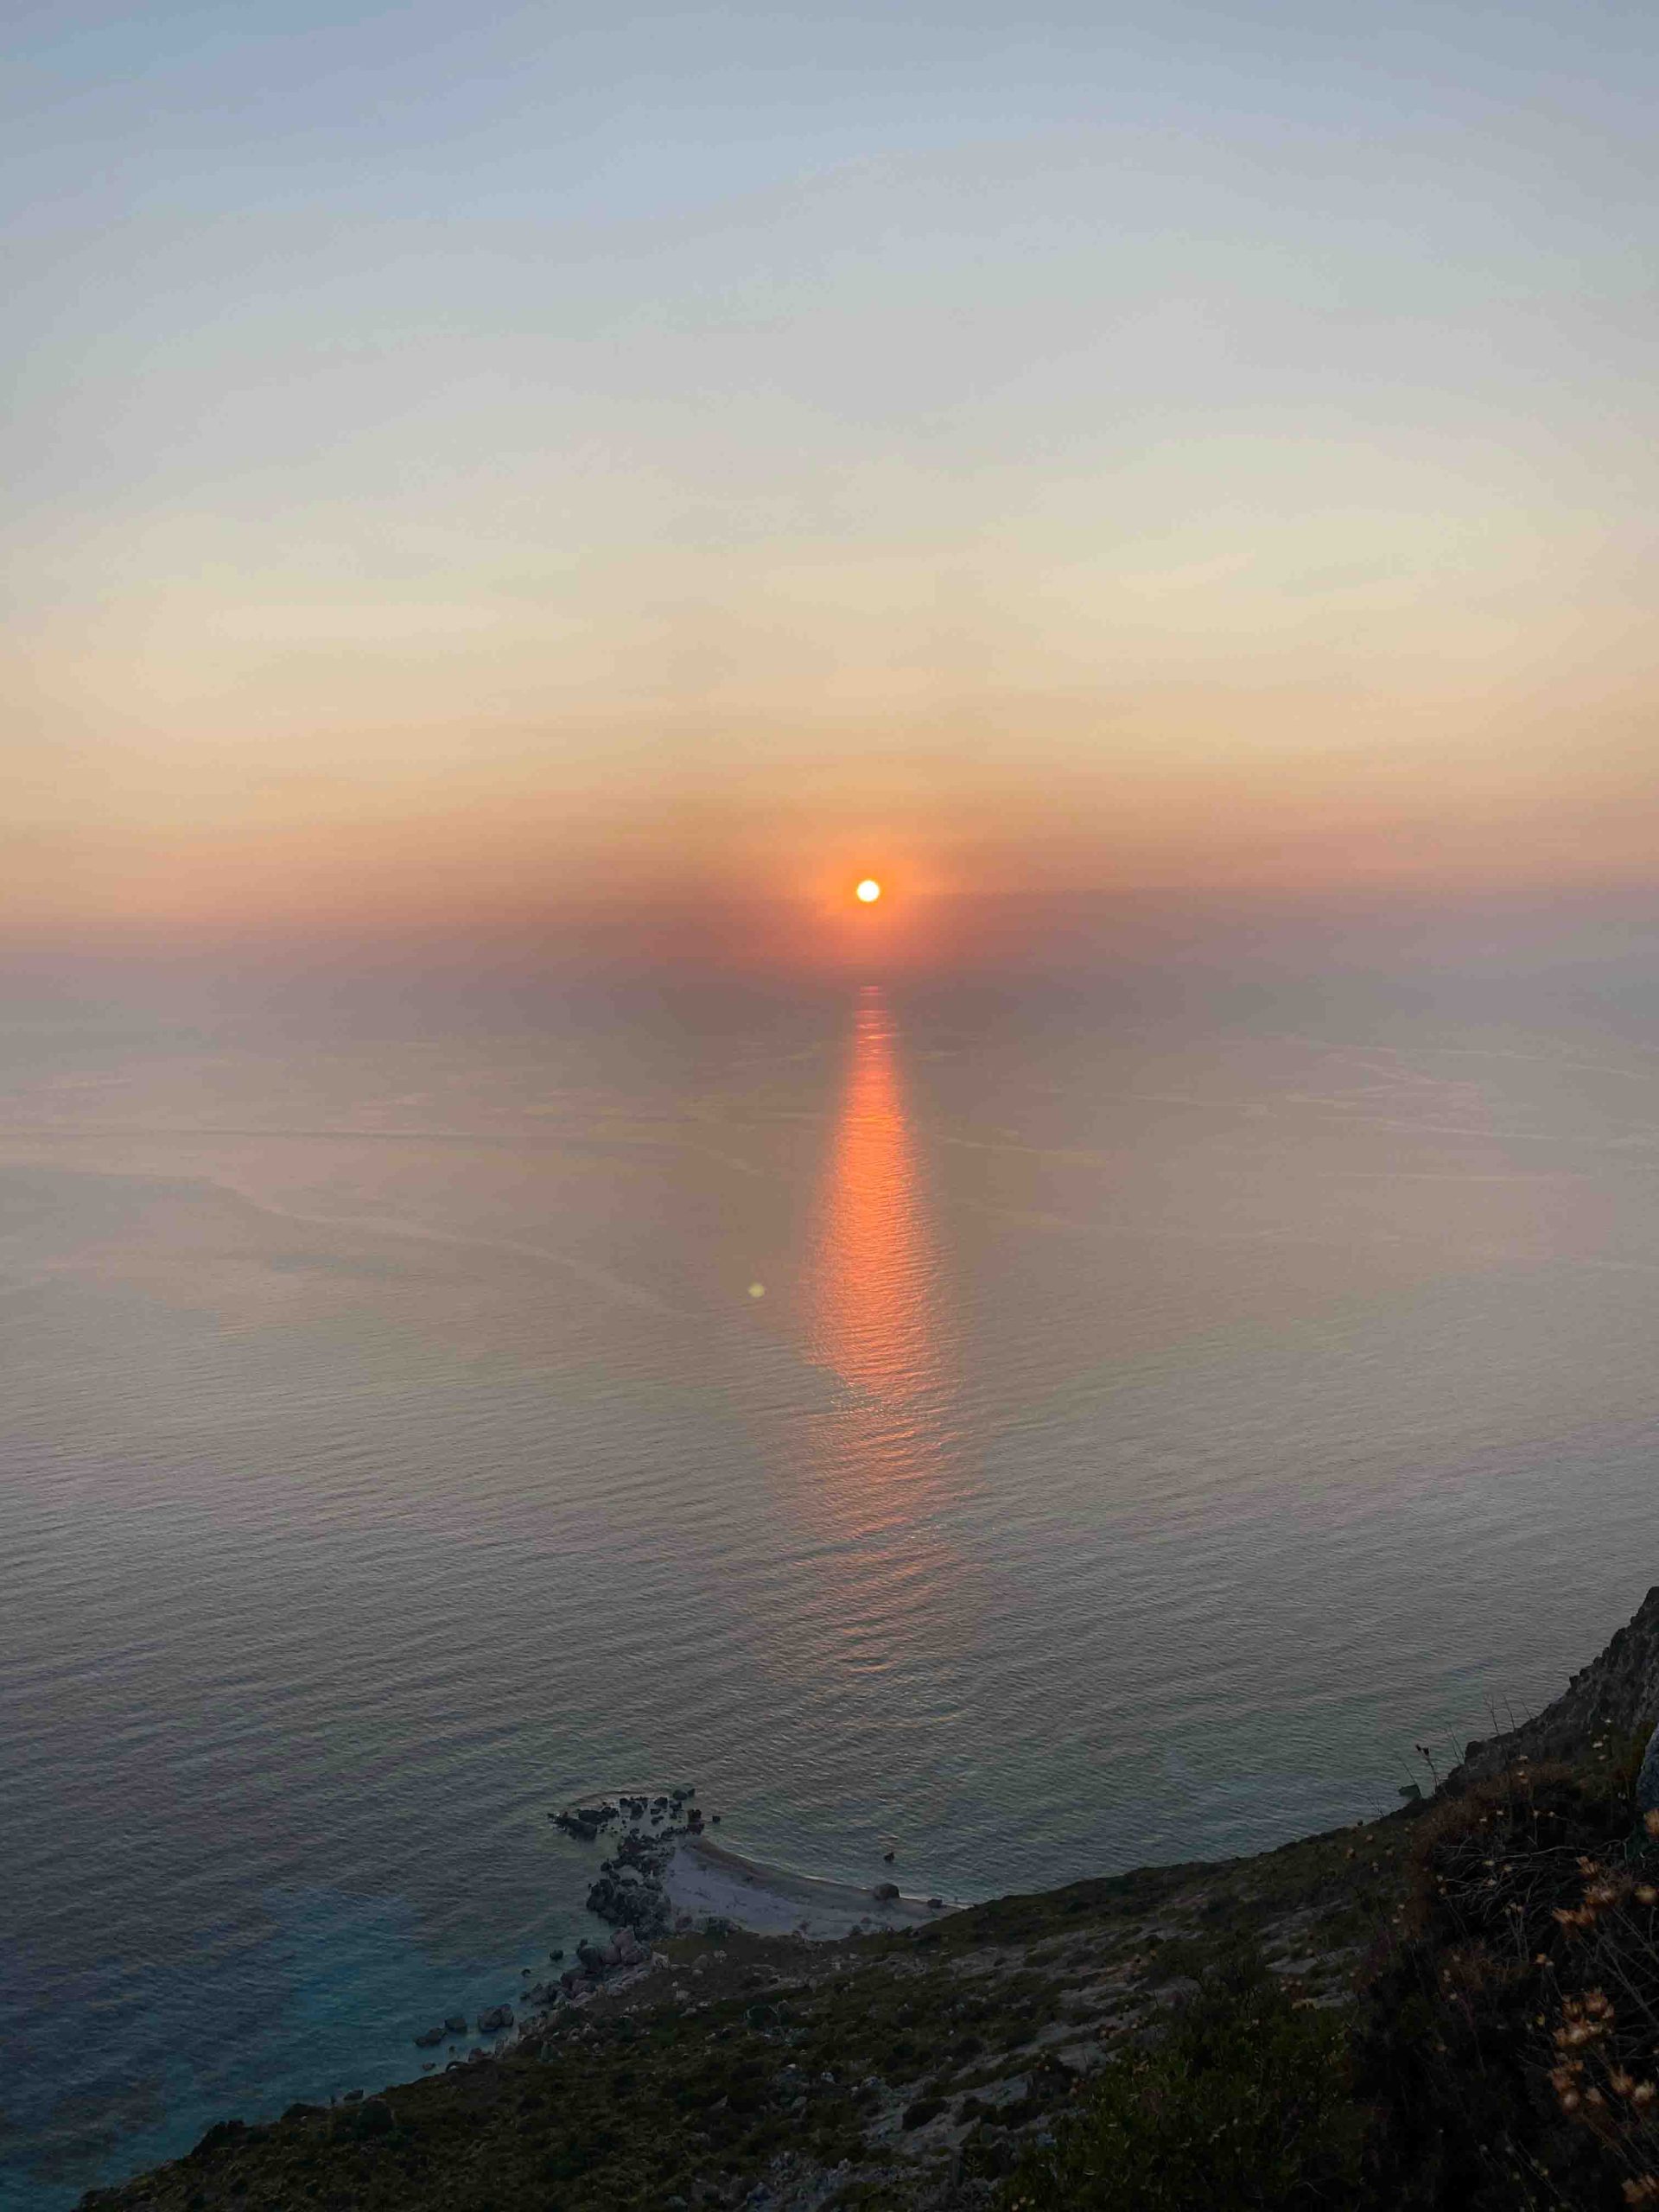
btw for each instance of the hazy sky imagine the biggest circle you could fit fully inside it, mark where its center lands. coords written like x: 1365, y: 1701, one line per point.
x: 469, y: 462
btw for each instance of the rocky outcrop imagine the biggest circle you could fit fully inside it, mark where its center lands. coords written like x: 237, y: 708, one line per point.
x: 628, y: 1890
x: 640, y: 1906
x: 1617, y: 1693
x: 584, y: 1822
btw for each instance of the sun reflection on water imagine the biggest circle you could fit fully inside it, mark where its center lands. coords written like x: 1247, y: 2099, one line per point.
x: 877, y: 1611
x: 877, y: 1464
x: 875, y: 1266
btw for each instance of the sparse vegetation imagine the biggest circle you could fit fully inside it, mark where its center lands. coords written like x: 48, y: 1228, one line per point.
x: 1247, y: 2101
x: 1511, y: 2035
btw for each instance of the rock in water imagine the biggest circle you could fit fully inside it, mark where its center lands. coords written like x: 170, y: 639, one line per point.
x: 884, y: 1892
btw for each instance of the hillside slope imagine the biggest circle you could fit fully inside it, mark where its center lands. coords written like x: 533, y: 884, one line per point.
x: 1616, y: 1694
x: 925, y: 2068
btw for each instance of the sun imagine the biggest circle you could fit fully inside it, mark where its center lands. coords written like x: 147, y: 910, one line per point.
x: 869, y: 891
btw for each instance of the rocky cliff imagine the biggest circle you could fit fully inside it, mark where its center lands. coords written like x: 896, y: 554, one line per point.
x: 1617, y: 1695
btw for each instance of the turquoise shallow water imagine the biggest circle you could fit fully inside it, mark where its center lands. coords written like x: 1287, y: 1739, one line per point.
x: 1031, y: 1436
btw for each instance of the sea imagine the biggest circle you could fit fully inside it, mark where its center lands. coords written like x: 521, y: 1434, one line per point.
x: 1030, y: 1426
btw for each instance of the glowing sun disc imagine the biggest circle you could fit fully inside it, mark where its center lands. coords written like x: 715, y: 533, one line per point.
x: 869, y: 891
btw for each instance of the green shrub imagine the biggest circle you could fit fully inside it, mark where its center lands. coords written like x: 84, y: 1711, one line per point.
x: 1247, y: 2101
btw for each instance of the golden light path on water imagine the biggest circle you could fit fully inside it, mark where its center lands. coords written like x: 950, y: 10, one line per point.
x: 877, y: 1463
x: 874, y: 1261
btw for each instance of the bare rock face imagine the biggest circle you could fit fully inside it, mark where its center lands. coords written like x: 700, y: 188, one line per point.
x: 1617, y: 1693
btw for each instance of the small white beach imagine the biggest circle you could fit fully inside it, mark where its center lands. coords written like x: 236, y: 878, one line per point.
x: 705, y: 1880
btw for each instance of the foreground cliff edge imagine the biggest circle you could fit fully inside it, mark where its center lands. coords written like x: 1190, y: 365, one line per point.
x: 1456, y: 2005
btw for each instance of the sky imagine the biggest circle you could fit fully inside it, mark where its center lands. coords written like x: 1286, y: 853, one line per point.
x: 494, y: 468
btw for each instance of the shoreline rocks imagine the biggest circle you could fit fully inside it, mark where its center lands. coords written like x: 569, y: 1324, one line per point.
x: 628, y: 1891
x: 628, y: 1894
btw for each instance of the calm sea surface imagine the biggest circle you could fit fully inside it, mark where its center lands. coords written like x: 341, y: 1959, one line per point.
x: 1032, y: 1437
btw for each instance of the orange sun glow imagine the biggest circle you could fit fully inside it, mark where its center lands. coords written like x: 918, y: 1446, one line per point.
x: 869, y: 891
